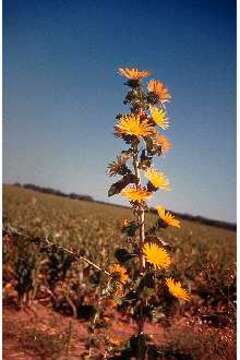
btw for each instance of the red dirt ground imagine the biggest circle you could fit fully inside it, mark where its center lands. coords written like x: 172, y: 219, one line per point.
x: 38, y: 333
x: 18, y: 323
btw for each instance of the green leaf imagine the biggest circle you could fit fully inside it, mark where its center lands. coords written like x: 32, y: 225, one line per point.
x: 130, y: 229
x: 147, y: 281
x: 118, y: 186
x: 122, y: 255
x: 138, y: 345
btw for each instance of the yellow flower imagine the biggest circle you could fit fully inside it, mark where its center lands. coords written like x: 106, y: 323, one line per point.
x: 159, y: 89
x: 158, y: 179
x: 135, y: 193
x: 167, y: 217
x: 125, y: 222
x: 115, y: 340
x: 133, y: 74
x: 120, y: 272
x: 8, y: 288
x: 132, y: 125
x: 164, y: 142
x: 175, y: 288
x: 159, y: 116
x: 156, y: 256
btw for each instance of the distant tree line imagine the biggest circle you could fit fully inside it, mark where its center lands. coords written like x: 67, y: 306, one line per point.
x: 48, y: 190
x: 198, y: 219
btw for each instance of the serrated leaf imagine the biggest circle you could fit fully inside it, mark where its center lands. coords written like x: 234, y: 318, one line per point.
x: 122, y: 255
x: 147, y: 281
x: 118, y: 186
x: 130, y: 229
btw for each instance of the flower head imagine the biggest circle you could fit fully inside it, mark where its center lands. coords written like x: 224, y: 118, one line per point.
x: 125, y: 222
x: 167, y: 217
x: 120, y: 272
x: 133, y: 74
x: 156, y: 255
x: 115, y: 339
x: 164, y: 142
x: 135, y: 193
x: 158, y: 179
x: 8, y: 288
x: 117, y: 167
x: 159, y: 116
x: 132, y: 125
x: 175, y: 288
x: 159, y: 89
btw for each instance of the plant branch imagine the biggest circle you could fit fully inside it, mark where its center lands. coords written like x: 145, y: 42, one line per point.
x: 12, y: 231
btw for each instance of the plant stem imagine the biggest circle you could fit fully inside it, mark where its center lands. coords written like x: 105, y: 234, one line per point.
x: 141, y: 213
x: 142, y: 239
x: 141, y: 220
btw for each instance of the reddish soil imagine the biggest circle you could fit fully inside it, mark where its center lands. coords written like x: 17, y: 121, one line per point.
x: 39, y: 333
x: 20, y: 325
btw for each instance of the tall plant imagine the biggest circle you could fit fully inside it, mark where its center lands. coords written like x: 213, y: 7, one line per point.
x: 141, y: 130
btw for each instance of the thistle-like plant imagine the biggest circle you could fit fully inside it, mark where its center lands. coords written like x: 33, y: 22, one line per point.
x: 141, y: 130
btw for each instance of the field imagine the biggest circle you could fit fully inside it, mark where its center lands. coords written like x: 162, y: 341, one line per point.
x: 55, y: 322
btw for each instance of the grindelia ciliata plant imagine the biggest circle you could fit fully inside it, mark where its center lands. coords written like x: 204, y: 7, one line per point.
x: 145, y: 265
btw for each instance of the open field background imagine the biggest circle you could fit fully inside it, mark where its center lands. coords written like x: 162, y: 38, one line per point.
x: 204, y: 260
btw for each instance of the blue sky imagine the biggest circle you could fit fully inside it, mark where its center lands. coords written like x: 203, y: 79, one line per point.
x: 62, y: 92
